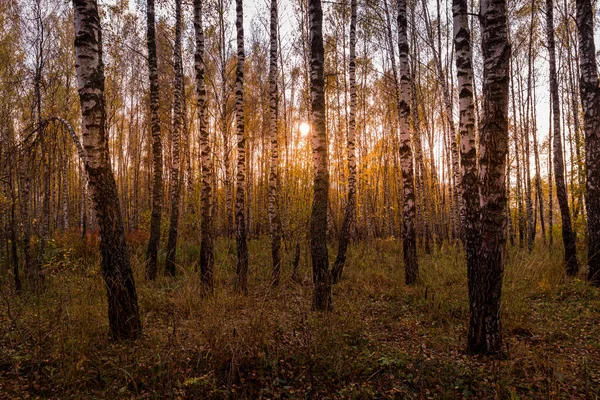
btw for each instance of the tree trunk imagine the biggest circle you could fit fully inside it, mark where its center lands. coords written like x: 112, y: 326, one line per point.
x: 349, y: 215
x: 468, y: 152
x: 274, y: 195
x: 175, y: 153
x: 590, y: 100
x: 559, y: 179
x: 24, y: 188
x: 240, y: 190
x: 318, y: 218
x: 485, y: 281
x: 207, y: 251
x: 157, y: 185
x: 123, y: 314
x: 550, y: 180
x: 409, y: 244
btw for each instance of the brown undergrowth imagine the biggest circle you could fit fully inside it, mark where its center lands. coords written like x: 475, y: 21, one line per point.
x: 383, y: 340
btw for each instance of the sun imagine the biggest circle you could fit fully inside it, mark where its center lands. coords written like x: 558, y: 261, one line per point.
x: 304, y: 129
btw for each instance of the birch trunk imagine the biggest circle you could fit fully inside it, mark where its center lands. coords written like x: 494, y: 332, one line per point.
x: 561, y: 190
x: 350, y: 212
x: 485, y: 281
x: 157, y: 184
x: 318, y: 219
x: 123, y: 314
x: 207, y: 251
x: 468, y: 150
x: 274, y: 195
x: 176, y: 151
x: 240, y: 191
x: 409, y: 244
x: 590, y: 100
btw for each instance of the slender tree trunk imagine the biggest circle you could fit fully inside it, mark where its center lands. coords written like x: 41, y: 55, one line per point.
x: 561, y: 190
x: 13, y: 241
x: 550, y: 181
x: 176, y: 151
x: 468, y: 152
x: 409, y: 244
x: 538, y: 169
x: 24, y: 189
x: 590, y: 100
x: 224, y: 121
x: 531, y: 225
x: 485, y: 281
x: 123, y: 314
x: 318, y: 219
x: 11, y: 223
x: 520, y: 215
x: 157, y: 185
x: 350, y: 212
x: 274, y: 195
x: 207, y: 251
x: 240, y: 192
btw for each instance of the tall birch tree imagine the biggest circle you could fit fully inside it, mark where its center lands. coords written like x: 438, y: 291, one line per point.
x: 240, y: 190
x: 123, y: 314
x: 485, y: 281
x: 590, y: 100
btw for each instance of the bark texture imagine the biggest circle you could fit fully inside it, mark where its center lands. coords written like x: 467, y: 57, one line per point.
x: 590, y: 100
x: 157, y: 182
x: 240, y: 190
x: 468, y: 150
x: 318, y: 218
x: 485, y: 281
x: 175, y: 150
x: 409, y: 244
x: 559, y: 167
x: 123, y: 314
x: 350, y: 212
x: 207, y: 251
x: 274, y: 195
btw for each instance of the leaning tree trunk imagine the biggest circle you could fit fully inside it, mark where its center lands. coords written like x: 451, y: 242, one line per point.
x: 207, y: 251
x: 123, y: 314
x: 318, y: 218
x: 349, y: 215
x: 485, y: 281
x: 175, y: 151
x: 274, y: 196
x: 559, y: 178
x: 468, y: 150
x: 240, y: 191
x: 409, y: 243
x: 590, y: 100
x: 157, y: 185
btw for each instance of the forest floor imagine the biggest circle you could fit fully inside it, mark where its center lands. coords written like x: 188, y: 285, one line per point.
x: 383, y: 339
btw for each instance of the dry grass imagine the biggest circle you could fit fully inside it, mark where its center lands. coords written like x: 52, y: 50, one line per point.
x: 383, y: 339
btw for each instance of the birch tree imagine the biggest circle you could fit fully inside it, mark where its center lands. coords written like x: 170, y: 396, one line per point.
x: 590, y: 100
x: 468, y: 150
x: 409, y: 244
x: 350, y: 212
x: 123, y: 314
x: 485, y: 281
x: 240, y: 191
x: 175, y: 143
x: 318, y: 218
x: 274, y: 196
x: 559, y: 168
x: 207, y: 251
x: 157, y: 184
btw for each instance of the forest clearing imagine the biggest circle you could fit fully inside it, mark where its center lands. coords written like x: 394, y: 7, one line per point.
x: 299, y: 199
